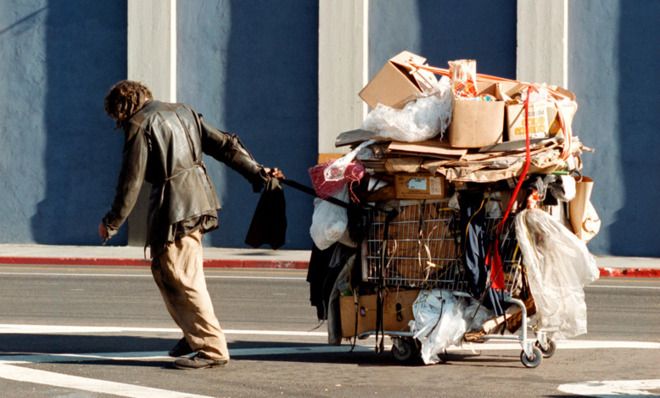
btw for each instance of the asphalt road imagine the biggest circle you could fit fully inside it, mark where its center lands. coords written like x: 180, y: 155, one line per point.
x: 102, y: 331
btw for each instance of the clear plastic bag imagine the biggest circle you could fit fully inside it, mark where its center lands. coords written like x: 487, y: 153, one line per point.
x: 558, y: 266
x: 329, y: 221
x: 420, y: 120
x: 439, y: 322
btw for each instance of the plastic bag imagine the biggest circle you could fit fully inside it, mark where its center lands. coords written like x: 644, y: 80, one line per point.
x: 420, y: 120
x: 439, y: 322
x: 330, y: 177
x: 329, y: 221
x: 558, y: 266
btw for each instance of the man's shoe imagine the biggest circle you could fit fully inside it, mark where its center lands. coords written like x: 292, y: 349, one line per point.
x: 198, y: 361
x: 180, y: 349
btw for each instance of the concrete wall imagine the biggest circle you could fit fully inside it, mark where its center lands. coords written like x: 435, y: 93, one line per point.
x: 612, y: 66
x: 251, y: 68
x: 58, y: 150
x: 443, y: 30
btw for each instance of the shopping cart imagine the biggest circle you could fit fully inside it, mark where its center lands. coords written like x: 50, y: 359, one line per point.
x: 420, y: 248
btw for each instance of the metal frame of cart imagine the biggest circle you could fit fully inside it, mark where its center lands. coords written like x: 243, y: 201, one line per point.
x: 421, y: 248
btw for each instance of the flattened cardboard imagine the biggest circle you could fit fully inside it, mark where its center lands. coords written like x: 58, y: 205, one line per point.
x: 432, y: 148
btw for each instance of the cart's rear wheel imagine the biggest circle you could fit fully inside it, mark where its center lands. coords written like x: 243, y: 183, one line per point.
x: 405, y: 349
x: 549, y: 350
x: 533, y: 361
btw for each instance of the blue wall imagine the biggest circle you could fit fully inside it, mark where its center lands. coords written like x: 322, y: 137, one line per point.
x: 251, y: 68
x: 444, y: 30
x: 613, y: 66
x: 57, y: 148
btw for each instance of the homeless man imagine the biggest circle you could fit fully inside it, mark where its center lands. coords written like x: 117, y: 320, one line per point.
x: 164, y: 143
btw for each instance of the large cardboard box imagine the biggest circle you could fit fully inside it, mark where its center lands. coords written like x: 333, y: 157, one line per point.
x: 397, y: 312
x: 396, y: 83
x: 477, y: 123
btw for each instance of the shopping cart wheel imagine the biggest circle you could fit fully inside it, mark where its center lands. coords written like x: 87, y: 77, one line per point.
x: 405, y: 349
x: 549, y: 350
x: 534, y: 360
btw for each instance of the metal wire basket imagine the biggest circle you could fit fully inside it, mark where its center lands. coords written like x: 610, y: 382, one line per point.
x: 418, y: 248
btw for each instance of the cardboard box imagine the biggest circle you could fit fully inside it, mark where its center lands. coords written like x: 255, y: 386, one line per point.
x: 476, y: 123
x: 394, y: 85
x: 540, y: 118
x: 419, y: 186
x: 397, y: 312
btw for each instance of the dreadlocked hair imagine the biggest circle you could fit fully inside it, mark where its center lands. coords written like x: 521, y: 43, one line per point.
x: 125, y: 98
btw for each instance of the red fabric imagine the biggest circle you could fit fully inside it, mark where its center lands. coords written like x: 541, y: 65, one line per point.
x: 494, y: 261
x: 325, y: 188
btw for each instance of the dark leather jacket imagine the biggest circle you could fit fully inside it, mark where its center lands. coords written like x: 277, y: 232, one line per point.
x: 163, y: 145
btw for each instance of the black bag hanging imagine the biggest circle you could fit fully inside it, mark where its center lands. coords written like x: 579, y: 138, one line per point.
x: 268, y: 224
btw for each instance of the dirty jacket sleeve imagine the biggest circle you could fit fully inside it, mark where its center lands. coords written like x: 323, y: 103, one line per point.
x: 228, y: 149
x: 131, y: 177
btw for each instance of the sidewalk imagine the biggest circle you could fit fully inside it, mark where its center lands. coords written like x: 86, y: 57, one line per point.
x: 246, y: 258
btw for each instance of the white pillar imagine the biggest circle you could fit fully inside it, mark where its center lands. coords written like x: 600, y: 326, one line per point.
x: 343, y: 69
x: 542, y: 53
x: 152, y: 61
x: 152, y: 45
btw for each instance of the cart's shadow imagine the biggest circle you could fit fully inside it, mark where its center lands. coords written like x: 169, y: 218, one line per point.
x: 361, y: 356
x: 126, y: 351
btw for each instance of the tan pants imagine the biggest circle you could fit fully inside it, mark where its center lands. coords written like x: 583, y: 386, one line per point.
x: 179, y: 274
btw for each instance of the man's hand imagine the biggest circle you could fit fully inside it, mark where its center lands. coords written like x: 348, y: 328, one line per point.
x: 103, y: 232
x: 275, y: 173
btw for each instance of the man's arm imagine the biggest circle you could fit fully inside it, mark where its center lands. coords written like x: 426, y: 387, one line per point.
x: 131, y: 177
x: 228, y: 149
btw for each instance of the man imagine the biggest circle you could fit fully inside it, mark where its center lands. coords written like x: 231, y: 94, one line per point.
x: 164, y: 143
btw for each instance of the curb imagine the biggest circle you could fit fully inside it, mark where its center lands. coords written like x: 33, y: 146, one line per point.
x: 261, y: 263
x: 630, y: 272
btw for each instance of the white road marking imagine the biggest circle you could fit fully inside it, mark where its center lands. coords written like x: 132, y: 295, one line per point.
x: 27, y: 375
x: 566, y: 345
x: 8, y: 328
x: 610, y: 388
x: 622, y: 287
x: 8, y: 370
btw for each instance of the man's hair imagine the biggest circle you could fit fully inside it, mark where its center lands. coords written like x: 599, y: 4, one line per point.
x: 125, y: 98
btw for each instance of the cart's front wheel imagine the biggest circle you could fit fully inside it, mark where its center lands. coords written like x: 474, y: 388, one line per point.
x: 549, y: 350
x: 532, y: 361
x: 404, y: 349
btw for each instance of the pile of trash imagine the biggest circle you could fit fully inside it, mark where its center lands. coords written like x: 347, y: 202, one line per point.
x: 453, y: 134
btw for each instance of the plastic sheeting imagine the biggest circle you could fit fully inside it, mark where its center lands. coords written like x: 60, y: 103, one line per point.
x: 419, y: 120
x: 558, y: 265
x: 439, y: 322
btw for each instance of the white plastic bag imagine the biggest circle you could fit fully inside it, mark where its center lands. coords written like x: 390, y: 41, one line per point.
x: 558, y: 266
x: 329, y: 221
x: 419, y: 120
x: 439, y: 322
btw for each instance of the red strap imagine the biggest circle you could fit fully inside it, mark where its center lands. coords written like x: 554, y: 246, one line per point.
x: 494, y: 261
x: 528, y: 160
